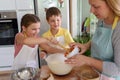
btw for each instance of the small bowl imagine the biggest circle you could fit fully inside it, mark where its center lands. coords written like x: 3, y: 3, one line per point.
x: 24, y: 73
x: 88, y: 73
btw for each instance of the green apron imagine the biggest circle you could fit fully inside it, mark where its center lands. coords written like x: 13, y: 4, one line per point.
x: 101, y: 43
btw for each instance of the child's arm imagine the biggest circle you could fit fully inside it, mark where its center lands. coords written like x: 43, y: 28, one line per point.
x: 51, y: 49
x: 21, y: 39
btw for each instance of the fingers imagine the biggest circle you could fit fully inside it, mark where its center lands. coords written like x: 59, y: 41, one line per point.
x: 43, y: 55
x: 74, y: 62
x: 70, y: 61
x: 52, y: 40
x: 75, y: 44
x: 72, y: 44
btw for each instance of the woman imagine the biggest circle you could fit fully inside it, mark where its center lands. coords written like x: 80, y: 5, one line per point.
x: 105, y: 43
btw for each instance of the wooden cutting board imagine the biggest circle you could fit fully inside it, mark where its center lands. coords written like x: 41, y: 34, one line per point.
x: 75, y: 74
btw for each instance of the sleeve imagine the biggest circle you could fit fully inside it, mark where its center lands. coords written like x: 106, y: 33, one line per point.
x: 68, y: 37
x: 44, y: 35
x: 113, y: 68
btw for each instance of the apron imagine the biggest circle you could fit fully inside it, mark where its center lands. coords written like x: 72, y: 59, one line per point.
x: 27, y: 57
x: 101, y: 46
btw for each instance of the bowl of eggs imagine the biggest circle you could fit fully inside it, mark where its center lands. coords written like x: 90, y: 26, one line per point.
x: 26, y: 73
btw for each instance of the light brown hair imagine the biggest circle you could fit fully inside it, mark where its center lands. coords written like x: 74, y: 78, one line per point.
x: 114, y: 5
x: 28, y: 19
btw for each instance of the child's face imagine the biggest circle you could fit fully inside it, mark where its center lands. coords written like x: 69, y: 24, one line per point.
x: 54, y: 22
x: 32, y: 30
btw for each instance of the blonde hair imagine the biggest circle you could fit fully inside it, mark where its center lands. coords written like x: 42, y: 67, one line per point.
x: 114, y: 5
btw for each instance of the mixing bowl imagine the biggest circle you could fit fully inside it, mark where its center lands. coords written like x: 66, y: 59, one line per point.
x: 24, y: 73
x: 57, y: 65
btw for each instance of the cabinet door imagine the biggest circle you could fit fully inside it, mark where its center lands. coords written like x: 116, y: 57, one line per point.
x: 6, y: 57
x: 7, y: 5
x: 24, y: 4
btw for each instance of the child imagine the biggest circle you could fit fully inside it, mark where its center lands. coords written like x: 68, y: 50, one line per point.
x: 54, y: 19
x: 27, y: 42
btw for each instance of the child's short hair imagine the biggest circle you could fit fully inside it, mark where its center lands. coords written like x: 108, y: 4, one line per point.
x: 28, y: 19
x: 52, y: 11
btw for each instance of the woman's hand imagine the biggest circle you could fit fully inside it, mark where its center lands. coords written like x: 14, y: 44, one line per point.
x: 82, y: 47
x: 77, y: 60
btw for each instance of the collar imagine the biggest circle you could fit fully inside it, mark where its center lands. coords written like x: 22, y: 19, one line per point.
x: 115, y: 22
x: 58, y: 33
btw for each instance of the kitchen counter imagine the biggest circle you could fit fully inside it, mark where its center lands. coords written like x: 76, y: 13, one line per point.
x: 75, y: 74
x: 5, y: 75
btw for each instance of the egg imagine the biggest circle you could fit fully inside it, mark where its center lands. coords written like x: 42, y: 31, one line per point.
x: 24, y: 74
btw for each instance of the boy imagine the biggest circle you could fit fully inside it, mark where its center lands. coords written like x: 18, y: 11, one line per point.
x: 61, y: 35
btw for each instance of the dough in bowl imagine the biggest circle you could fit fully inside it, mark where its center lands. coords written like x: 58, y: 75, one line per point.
x: 56, y: 63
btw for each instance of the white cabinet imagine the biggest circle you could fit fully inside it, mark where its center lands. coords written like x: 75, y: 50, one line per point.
x: 7, y: 5
x: 6, y: 57
x: 24, y: 4
x: 21, y: 7
x: 16, y: 4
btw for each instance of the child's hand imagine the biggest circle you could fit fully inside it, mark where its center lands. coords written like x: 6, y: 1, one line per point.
x: 53, y: 40
x: 42, y: 55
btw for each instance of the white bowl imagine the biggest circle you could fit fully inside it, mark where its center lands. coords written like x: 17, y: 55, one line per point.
x: 57, y: 65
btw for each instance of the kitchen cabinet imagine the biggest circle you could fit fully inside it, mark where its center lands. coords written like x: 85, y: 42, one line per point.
x: 16, y: 4
x: 21, y: 7
x: 7, y: 5
x: 6, y: 57
x: 24, y: 4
